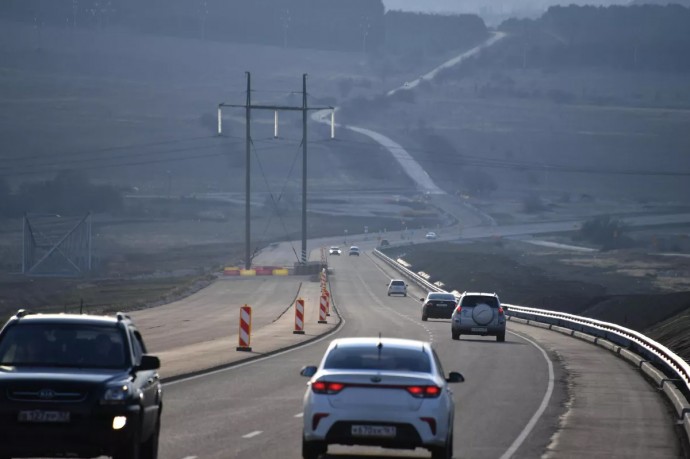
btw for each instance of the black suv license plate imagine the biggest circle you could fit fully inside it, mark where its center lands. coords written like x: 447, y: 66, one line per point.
x: 43, y: 416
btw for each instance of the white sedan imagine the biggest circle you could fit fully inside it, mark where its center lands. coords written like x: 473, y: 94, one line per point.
x: 334, y: 250
x: 431, y: 235
x: 381, y: 392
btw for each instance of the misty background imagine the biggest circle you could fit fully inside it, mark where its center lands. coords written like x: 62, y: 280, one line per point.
x: 110, y: 107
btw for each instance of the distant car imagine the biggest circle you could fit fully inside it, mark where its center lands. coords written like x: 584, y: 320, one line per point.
x: 479, y: 314
x: 397, y: 287
x: 334, y: 250
x: 76, y: 385
x: 438, y: 305
x: 431, y: 235
x: 379, y: 392
x: 384, y: 243
x: 354, y: 250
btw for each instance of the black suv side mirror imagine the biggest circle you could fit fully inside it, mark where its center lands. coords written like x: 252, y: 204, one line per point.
x: 148, y: 362
x: 455, y: 377
x: 308, y: 371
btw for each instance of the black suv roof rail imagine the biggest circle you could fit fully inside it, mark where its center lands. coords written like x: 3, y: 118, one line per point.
x: 22, y: 312
x: 122, y: 316
x: 479, y: 293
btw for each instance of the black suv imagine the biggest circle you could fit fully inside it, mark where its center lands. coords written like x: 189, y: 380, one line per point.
x: 77, y: 386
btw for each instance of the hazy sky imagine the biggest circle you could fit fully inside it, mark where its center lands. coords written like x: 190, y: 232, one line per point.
x: 460, y: 6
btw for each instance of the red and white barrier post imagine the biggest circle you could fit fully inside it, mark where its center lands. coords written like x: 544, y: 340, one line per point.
x: 323, y: 309
x: 328, y: 301
x: 245, y: 328
x: 299, y: 317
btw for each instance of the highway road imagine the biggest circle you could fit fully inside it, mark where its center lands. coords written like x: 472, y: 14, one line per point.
x: 539, y: 392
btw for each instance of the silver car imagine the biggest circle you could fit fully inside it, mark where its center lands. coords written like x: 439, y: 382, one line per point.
x: 379, y: 392
x: 479, y: 314
x: 397, y: 287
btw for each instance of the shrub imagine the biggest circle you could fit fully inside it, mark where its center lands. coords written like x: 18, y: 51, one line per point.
x: 532, y: 204
x: 606, y: 231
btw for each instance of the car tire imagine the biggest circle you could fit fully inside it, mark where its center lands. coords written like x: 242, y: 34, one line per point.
x: 131, y: 450
x: 313, y: 449
x: 149, y: 449
x: 424, y: 317
x: 455, y: 335
x: 445, y: 451
x: 501, y: 337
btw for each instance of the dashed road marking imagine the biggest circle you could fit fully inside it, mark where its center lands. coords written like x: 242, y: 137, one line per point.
x: 253, y: 434
x: 299, y: 415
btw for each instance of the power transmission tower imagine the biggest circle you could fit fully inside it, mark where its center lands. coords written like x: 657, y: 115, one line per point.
x: 276, y: 108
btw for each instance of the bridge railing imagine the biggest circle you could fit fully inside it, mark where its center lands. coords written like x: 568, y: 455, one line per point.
x: 674, y: 367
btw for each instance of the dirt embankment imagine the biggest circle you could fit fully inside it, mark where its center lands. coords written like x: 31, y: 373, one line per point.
x: 644, y: 292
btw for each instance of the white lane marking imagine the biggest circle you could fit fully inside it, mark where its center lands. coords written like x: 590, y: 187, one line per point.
x: 253, y: 434
x: 299, y: 415
x: 190, y: 457
x: 544, y: 403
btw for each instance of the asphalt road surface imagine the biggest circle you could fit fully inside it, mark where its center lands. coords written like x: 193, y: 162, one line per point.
x: 539, y: 392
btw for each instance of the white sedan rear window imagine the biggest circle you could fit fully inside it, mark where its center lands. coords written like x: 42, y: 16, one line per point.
x: 369, y: 358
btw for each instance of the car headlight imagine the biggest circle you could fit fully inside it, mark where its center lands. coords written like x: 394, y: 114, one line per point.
x: 117, y: 393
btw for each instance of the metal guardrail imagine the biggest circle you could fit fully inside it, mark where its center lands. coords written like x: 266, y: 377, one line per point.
x: 677, y: 369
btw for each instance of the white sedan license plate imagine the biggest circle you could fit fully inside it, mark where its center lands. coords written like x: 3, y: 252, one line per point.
x: 373, y: 431
x: 43, y: 416
x: 478, y: 329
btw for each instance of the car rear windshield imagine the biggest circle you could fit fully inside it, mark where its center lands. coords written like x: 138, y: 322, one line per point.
x: 398, y: 283
x: 371, y: 358
x: 63, y: 345
x: 442, y: 296
x: 473, y: 300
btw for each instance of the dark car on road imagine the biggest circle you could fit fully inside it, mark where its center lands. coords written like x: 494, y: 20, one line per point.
x: 438, y: 305
x: 77, y: 386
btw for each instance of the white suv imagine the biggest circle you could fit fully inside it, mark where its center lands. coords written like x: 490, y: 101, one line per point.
x: 479, y: 314
x: 383, y: 392
x: 397, y: 287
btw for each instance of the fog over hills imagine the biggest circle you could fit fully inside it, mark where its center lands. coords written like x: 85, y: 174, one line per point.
x: 496, y: 12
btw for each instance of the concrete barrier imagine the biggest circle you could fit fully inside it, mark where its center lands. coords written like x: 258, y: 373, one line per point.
x: 631, y: 357
x: 652, y: 373
x: 686, y: 424
x: 247, y: 272
x: 565, y: 331
x: 230, y: 271
x: 518, y: 320
x: 585, y: 337
x: 606, y: 344
x: 280, y: 272
x: 540, y: 324
x: 680, y: 404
